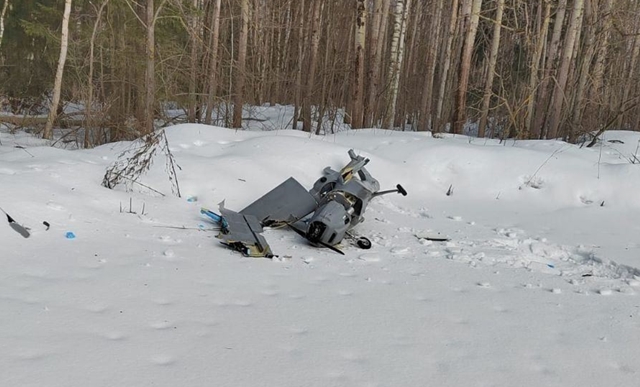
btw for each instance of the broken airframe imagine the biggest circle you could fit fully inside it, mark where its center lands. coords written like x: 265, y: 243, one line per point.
x: 323, y: 215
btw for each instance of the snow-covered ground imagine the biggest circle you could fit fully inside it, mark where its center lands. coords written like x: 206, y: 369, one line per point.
x: 538, y: 285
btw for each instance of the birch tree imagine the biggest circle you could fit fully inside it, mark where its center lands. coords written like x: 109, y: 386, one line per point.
x: 57, y: 87
x: 374, y: 66
x: 313, y: 60
x: 299, y: 88
x: 3, y: 14
x: 397, y: 55
x: 358, y: 66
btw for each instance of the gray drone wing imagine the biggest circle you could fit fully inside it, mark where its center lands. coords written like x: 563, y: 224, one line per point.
x: 289, y: 201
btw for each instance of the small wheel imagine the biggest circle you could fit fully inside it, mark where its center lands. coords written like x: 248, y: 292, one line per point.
x: 363, y: 243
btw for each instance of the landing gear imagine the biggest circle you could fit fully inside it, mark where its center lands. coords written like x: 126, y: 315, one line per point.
x: 363, y: 243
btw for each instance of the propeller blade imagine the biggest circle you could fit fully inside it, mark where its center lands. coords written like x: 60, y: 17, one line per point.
x: 304, y: 235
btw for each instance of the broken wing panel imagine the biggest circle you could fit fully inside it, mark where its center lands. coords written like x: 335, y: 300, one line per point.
x: 244, y: 234
x: 286, y: 202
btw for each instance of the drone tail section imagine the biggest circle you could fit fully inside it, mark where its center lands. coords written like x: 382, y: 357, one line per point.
x: 244, y: 234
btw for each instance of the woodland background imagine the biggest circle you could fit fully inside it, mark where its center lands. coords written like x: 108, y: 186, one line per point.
x: 518, y: 68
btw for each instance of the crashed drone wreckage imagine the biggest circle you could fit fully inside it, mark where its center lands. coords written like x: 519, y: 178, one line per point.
x: 323, y: 215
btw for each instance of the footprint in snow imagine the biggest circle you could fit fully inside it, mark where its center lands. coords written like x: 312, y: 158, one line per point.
x: 170, y: 256
x: 162, y: 301
x: 400, y: 250
x: 605, y: 292
x: 161, y: 325
x: 353, y: 356
x: 7, y: 171
x: 298, y: 330
x: 163, y: 359
x: 115, y: 336
x: 634, y: 283
x: 37, y: 167
x: 97, y: 308
x: 169, y: 239
x: 370, y: 257
x: 270, y: 292
x: 33, y: 354
x: 55, y: 206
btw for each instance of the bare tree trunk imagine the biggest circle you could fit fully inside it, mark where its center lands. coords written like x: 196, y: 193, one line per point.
x: 213, y: 65
x: 493, y: 58
x: 598, y: 69
x: 299, y: 64
x: 397, y: 55
x: 2, y: 17
x: 313, y: 59
x: 446, y: 64
x: 88, y: 115
x: 375, y: 91
x: 150, y: 80
x: 348, y: 74
x: 283, y: 56
x: 563, y: 72
x: 57, y: 86
x: 426, y: 118
x: 358, y: 87
x: 543, y: 98
x: 459, y: 116
x: 535, y: 68
x: 241, y: 65
x: 629, y: 75
x: 322, y: 105
x: 196, y: 47
x: 405, y: 108
x: 374, y: 66
x: 585, y: 66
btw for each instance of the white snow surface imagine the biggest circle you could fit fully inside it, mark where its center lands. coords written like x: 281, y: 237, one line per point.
x: 538, y: 285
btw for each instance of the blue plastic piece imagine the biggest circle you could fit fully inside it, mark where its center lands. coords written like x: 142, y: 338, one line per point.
x: 215, y: 217
x: 70, y: 235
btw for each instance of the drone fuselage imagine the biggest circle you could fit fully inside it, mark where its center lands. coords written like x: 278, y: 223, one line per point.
x: 342, y: 198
